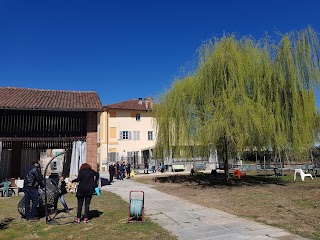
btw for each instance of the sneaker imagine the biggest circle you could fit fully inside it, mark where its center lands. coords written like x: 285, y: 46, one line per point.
x: 77, y: 220
x: 86, y: 220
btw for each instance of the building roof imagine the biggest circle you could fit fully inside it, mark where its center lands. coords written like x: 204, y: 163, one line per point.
x: 132, y: 104
x: 56, y: 100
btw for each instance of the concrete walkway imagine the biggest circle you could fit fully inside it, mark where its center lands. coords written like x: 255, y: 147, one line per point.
x: 191, y: 221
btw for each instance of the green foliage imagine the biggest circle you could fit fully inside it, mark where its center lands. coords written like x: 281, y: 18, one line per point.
x: 244, y: 93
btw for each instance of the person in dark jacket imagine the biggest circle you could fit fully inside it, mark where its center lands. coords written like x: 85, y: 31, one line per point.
x: 128, y: 169
x: 62, y: 191
x: 121, y: 170
x: 31, y: 183
x: 88, y: 180
x: 111, y: 171
x: 117, y: 170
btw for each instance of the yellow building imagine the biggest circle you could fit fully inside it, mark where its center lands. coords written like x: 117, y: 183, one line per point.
x: 127, y: 133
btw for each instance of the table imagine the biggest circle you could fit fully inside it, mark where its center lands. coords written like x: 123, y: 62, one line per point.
x: 16, y: 190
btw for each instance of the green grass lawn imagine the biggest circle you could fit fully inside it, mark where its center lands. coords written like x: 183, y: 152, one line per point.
x: 108, y: 212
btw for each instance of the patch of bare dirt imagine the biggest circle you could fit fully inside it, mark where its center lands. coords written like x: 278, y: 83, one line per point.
x: 294, y: 206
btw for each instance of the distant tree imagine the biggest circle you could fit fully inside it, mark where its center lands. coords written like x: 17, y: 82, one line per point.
x: 244, y: 93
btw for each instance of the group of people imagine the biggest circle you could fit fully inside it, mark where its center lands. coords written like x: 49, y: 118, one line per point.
x: 87, y: 179
x: 119, y: 170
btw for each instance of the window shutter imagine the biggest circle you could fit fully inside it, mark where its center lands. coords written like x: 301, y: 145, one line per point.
x: 129, y: 133
x: 120, y: 137
x: 138, y: 135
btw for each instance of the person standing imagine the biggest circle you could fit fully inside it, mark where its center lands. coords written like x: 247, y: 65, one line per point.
x: 163, y: 168
x: 111, y: 172
x: 62, y: 191
x: 153, y: 166
x: 31, y: 183
x: 88, y: 181
x: 121, y: 171
x: 146, y: 167
x: 128, y: 169
x: 117, y: 171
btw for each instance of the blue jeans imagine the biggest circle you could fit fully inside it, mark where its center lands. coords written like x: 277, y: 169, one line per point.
x: 64, y: 202
x: 31, y: 194
x: 121, y: 175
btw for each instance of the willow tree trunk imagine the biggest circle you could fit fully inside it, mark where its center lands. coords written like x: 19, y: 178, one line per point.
x: 226, y: 162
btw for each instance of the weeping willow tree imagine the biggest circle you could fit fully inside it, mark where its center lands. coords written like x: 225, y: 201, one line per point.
x: 244, y: 93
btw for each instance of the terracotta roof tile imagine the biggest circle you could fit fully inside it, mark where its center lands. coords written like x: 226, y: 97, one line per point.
x: 132, y: 104
x: 36, y: 99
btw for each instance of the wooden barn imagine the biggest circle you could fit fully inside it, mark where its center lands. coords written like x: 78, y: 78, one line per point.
x: 33, y: 122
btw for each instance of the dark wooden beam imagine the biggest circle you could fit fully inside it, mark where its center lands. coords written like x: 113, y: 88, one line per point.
x: 16, y: 159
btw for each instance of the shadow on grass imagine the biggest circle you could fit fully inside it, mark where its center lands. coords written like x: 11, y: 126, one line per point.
x: 208, y: 180
x: 94, y: 214
x: 5, y: 222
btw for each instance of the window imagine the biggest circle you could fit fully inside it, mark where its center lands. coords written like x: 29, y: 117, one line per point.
x: 136, y: 135
x: 133, y: 159
x: 150, y: 135
x: 113, y: 156
x: 125, y: 135
x: 113, y: 132
x: 138, y: 117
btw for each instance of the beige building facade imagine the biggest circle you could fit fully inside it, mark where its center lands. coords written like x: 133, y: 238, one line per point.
x: 127, y: 133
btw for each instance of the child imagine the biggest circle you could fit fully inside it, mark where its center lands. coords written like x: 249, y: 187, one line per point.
x: 62, y: 192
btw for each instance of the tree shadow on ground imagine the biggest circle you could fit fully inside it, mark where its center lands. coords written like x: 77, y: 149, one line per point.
x: 208, y: 180
x: 5, y: 222
x: 94, y: 214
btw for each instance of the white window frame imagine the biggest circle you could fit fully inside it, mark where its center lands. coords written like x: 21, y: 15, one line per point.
x: 136, y: 135
x: 125, y: 135
x: 113, y: 156
x: 150, y: 135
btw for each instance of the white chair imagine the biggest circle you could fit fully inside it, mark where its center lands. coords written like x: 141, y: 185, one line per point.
x: 302, y: 174
x: 19, y: 183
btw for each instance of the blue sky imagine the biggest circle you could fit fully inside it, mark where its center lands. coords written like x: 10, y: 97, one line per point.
x: 126, y: 49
